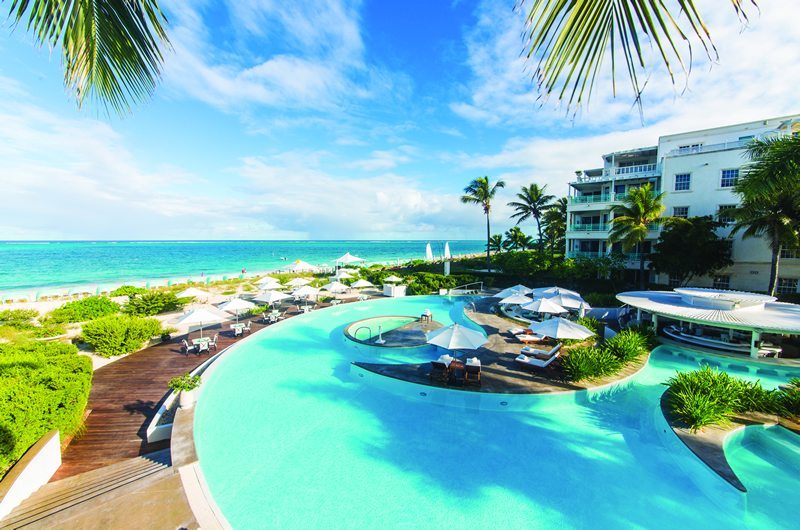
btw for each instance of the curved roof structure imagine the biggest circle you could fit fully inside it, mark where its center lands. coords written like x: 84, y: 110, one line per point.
x: 714, y: 307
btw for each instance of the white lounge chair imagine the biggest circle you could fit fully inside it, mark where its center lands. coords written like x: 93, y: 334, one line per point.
x: 187, y: 348
x: 213, y: 342
x: 247, y: 327
x: 237, y: 331
x: 538, y: 358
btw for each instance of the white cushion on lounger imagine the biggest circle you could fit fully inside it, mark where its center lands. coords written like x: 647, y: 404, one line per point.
x: 522, y: 358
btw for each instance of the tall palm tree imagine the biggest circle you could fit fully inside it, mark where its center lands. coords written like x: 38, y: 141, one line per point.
x: 634, y: 219
x: 532, y: 203
x: 111, y: 49
x: 770, y: 192
x: 481, y: 191
x: 570, y: 41
x: 516, y: 239
x: 555, y: 224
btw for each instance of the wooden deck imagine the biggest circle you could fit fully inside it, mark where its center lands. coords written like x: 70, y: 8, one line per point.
x: 125, y: 396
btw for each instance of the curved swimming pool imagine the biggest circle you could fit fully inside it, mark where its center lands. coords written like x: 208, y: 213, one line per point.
x: 287, y: 437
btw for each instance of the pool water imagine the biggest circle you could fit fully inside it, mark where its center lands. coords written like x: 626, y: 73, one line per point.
x: 368, y: 328
x: 287, y: 437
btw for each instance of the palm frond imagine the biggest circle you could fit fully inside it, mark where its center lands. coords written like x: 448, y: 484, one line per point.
x: 111, y: 49
x: 570, y: 39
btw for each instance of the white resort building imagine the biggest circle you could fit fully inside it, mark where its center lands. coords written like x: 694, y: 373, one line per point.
x: 697, y: 170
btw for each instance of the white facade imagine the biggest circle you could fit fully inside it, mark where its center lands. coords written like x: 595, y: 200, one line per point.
x: 697, y: 171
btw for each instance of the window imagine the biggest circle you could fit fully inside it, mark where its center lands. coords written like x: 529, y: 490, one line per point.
x: 690, y: 148
x: 619, y: 188
x: 729, y: 178
x: 680, y: 211
x: 722, y: 282
x: 674, y: 281
x: 724, y: 215
x: 787, y: 285
x: 790, y: 253
x: 683, y: 181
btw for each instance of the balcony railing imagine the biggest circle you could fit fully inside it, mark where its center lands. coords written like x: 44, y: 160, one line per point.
x: 589, y: 227
x: 605, y: 197
x: 725, y: 146
x: 629, y: 170
x: 623, y: 173
x: 585, y: 254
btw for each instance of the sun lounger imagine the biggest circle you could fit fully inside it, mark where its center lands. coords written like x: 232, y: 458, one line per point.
x: 538, y: 358
x: 439, y: 371
x: 473, y: 371
x: 526, y: 338
x: 516, y: 331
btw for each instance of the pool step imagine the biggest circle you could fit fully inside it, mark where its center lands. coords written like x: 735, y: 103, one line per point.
x: 780, y: 447
x: 54, y: 502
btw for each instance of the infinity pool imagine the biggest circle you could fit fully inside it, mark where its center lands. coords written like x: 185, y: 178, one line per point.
x: 287, y: 437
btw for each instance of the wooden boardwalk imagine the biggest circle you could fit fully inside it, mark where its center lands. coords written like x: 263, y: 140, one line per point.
x: 125, y: 396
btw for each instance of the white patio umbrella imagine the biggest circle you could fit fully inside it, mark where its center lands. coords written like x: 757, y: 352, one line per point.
x: 360, y: 284
x: 305, y: 291
x: 549, y: 292
x: 561, y: 328
x: 202, y: 315
x: 298, y: 282
x: 335, y: 287
x: 270, y: 297
x: 570, y: 301
x: 392, y: 279
x: 455, y: 337
x: 302, y: 266
x: 544, y: 305
x: 517, y: 289
x: 267, y: 280
x: 236, y: 305
x: 344, y: 275
x: 349, y: 258
x: 516, y: 298
x: 199, y: 294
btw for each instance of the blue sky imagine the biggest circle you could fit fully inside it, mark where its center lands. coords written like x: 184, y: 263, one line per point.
x: 343, y: 119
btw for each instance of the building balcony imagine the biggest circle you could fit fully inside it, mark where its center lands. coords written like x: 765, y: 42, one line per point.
x: 711, y: 148
x: 588, y: 227
x: 622, y: 173
x: 597, y: 200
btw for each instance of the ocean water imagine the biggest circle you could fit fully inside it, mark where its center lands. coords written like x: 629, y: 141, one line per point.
x: 46, y: 267
x: 289, y: 437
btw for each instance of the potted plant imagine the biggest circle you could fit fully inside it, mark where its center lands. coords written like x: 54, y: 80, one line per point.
x: 185, y: 384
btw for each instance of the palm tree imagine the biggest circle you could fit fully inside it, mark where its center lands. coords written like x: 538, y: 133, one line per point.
x: 570, y: 41
x: 111, y: 49
x: 555, y: 224
x: 495, y: 243
x: 481, y: 191
x: 770, y: 193
x: 516, y: 239
x: 533, y: 202
x: 634, y: 219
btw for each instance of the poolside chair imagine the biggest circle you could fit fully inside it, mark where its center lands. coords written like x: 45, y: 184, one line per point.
x: 186, y: 348
x: 439, y: 371
x: 273, y: 319
x: 247, y: 327
x: 213, y: 342
x: 458, y: 376
x: 202, y: 347
x: 265, y: 319
x: 538, y: 358
x: 473, y: 372
x: 237, y: 331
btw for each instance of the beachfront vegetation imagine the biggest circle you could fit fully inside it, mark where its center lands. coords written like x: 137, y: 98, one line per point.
x: 153, y: 303
x: 495, y: 243
x: 708, y: 397
x: 532, y: 203
x: 691, y: 249
x: 429, y: 283
x: 128, y: 290
x: 555, y: 226
x: 516, y: 239
x: 481, y: 191
x: 43, y: 386
x: 184, y: 383
x: 119, y: 334
x: 570, y: 42
x: 84, y: 309
x: 609, y: 358
x: 769, y: 193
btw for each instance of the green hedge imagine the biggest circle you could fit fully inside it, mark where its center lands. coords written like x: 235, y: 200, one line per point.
x: 19, y: 319
x: 429, y: 283
x: 708, y: 396
x: 127, y: 290
x: 152, y: 303
x: 118, y: 334
x: 591, y: 362
x: 43, y: 386
x: 83, y: 310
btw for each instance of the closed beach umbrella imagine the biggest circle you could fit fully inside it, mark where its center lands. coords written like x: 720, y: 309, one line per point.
x: 271, y: 297
x: 447, y: 251
x: 198, y: 294
x: 335, y: 287
x: 428, y: 252
x: 349, y: 258
x: 298, y: 282
x: 457, y: 337
x: 360, y: 284
x: 517, y: 299
x: 544, y: 305
x: 392, y: 279
x: 202, y: 315
x: 561, y: 328
x: 236, y: 305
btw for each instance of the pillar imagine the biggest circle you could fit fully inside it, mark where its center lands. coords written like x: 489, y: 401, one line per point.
x: 754, y: 344
x: 655, y: 322
x: 638, y: 315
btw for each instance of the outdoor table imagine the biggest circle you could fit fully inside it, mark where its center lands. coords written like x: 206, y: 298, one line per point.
x: 240, y: 325
x: 201, y: 340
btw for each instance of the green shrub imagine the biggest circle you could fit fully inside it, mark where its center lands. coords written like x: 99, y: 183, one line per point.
x: 647, y: 332
x: 152, y: 303
x: 697, y: 409
x: 627, y: 345
x: 184, y: 382
x: 591, y: 323
x: 48, y: 329
x: 588, y: 362
x: 602, y: 300
x: 119, y: 334
x: 20, y: 319
x: 82, y: 310
x: 127, y: 290
x: 430, y: 283
x: 43, y: 386
x: 789, y: 400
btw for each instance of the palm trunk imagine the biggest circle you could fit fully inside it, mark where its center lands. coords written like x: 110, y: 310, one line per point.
x: 641, y: 270
x: 488, y: 237
x: 541, y: 241
x: 773, y: 273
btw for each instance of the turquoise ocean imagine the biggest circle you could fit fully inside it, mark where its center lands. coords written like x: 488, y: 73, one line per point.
x: 31, y: 269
